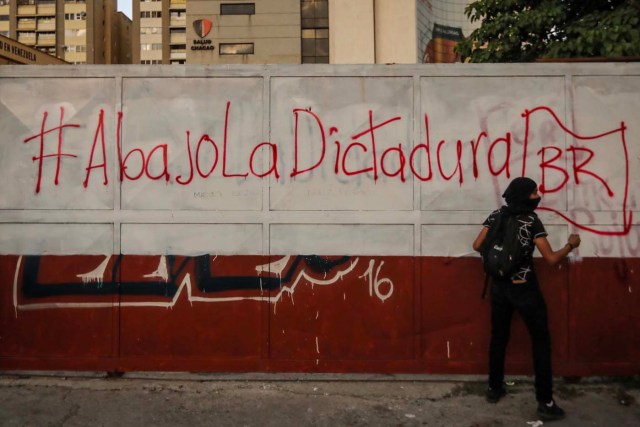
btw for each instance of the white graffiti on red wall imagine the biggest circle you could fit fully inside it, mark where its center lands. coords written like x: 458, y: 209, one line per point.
x: 193, y: 278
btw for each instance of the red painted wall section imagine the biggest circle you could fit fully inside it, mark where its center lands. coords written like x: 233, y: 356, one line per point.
x: 456, y: 321
x: 36, y: 337
x: 605, y: 307
x: 184, y: 323
x: 312, y: 314
x: 365, y: 318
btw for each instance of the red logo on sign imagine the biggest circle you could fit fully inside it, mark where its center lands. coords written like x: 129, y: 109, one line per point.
x: 202, y: 27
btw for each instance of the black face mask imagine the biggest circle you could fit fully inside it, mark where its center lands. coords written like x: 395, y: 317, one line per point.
x: 532, y: 203
x: 517, y: 195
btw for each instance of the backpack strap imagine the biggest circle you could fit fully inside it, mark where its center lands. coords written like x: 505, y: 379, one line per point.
x: 494, y: 229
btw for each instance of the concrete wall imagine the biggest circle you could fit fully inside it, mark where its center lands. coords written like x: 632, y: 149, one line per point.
x: 315, y: 219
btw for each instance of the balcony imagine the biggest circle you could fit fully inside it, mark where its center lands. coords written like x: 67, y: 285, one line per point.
x: 47, y: 9
x: 178, y: 22
x: 29, y: 40
x: 46, y: 40
x: 178, y: 38
x: 26, y: 24
x: 47, y: 25
x: 178, y: 54
x: 29, y: 9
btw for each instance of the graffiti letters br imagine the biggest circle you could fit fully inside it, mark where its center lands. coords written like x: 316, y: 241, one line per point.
x: 464, y: 160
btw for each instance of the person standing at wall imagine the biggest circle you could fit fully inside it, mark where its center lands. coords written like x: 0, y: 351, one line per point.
x: 520, y: 292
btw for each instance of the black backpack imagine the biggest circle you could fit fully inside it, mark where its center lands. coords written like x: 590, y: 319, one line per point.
x: 502, y: 252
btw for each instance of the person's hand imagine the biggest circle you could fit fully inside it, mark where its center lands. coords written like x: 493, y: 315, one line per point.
x: 574, y: 241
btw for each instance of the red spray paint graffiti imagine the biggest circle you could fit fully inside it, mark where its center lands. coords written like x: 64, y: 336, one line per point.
x: 551, y: 158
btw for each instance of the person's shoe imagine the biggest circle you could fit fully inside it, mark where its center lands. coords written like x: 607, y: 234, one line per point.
x: 550, y: 411
x: 493, y: 395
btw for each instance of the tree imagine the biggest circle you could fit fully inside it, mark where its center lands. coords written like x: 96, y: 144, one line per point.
x: 525, y: 30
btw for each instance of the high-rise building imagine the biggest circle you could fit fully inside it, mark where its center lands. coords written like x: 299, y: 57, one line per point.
x: 78, y: 31
x: 442, y: 24
x: 121, y: 39
x: 13, y: 52
x: 221, y: 32
x: 153, y: 22
x: 396, y: 31
x: 297, y: 31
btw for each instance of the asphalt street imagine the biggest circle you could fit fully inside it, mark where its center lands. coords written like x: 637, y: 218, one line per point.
x: 187, y: 399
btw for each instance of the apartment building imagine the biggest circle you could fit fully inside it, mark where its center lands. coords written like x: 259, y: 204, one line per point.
x: 121, y: 39
x: 78, y: 31
x: 13, y: 52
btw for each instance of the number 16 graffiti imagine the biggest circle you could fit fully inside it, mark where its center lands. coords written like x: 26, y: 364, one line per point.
x: 376, y: 284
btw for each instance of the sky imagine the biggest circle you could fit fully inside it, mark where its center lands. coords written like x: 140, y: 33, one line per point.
x: 125, y: 7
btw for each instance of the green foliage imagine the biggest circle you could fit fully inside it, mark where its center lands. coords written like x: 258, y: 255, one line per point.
x: 525, y: 30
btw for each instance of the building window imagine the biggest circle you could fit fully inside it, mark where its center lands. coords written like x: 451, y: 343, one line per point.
x: 26, y: 2
x: 80, y: 16
x: 80, y: 32
x: 150, y: 30
x: 151, y: 14
x: 151, y: 46
x: 238, y: 9
x: 75, y: 48
x: 4, y: 17
x: 151, y: 61
x: 315, y: 31
x: 314, y: 13
x: 178, y: 31
x: 4, y: 2
x: 236, y: 48
x: 315, y: 46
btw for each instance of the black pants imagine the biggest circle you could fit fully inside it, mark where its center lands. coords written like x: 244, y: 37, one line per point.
x: 526, y: 299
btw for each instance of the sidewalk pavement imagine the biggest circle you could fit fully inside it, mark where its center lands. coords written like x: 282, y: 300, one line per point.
x: 186, y: 399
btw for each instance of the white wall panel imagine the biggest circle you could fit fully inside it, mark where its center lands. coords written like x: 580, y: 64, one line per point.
x: 56, y: 239
x: 33, y: 110
x: 571, y: 127
x: 336, y: 239
x: 341, y: 109
x: 602, y: 106
x: 463, y: 110
x: 160, y: 112
x: 457, y: 240
x: 192, y: 239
